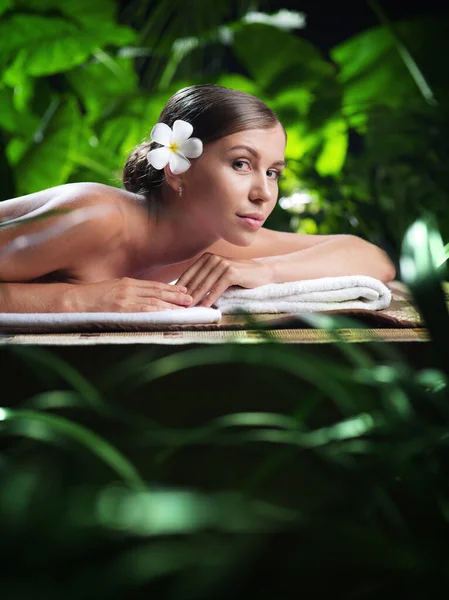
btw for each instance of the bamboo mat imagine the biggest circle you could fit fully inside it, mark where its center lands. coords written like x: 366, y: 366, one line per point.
x: 292, y: 336
x: 400, y: 322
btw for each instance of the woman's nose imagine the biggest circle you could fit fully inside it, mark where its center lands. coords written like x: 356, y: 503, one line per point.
x: 261, y: 190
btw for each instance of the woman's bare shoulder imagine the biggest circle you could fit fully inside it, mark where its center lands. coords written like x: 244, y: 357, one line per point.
x: 67, y: 195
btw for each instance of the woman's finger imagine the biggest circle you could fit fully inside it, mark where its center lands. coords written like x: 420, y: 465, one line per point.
x: 158, y: 285
x: 157, y: 305
x: 208, y: 283
x: 171, y: 296
x: 220, y: 286
x: 197, y: 279
x: 189, y: 273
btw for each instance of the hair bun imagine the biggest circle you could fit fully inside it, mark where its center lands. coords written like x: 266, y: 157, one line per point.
x: 138, y: 175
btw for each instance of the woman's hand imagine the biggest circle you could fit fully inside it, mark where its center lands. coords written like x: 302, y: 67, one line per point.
x: 213, y: 274
x: 126, y: 295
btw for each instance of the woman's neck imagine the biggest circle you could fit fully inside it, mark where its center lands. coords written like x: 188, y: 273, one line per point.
x: 161, y: 232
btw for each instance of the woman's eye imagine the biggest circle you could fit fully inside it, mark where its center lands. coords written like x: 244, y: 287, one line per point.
x: 272, y: 173
x: 238, y: 163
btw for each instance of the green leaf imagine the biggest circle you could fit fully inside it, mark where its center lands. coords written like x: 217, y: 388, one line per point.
x: 100, y: 17
x: 360, y: 53
x: 47, y: 161
x: 333, y: 154
x: 83, y: 11
x: 5, y: 5
x: 423, y: 253
x: 423, y: 269
x: 292, y: 103
x: 300, y: 141
x: 42, y: 45
x: 16, y: 148
x: 104, y: 152
x: 45, y: 360
x: 23, y: 95
x: 372, y: 70
x: 49, y: 425
x: 102, y: 84
x: 121, y: 134
x: 238, y: 82
x: 10, y: 119
x: 92, y: 160
x: 254, y: 46
x: 181, y: 48
x: 45, y: 45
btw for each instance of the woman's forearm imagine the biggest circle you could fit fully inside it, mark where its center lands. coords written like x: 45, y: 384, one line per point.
x: 34, y: 297
x: 346, y: 255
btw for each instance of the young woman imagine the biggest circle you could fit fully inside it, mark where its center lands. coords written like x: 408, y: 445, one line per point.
x: 195, y: 200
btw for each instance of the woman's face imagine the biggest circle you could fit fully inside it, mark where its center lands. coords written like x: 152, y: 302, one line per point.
x: 236, y: 175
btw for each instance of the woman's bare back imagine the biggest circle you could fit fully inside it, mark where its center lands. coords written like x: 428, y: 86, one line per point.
x: 72, y: 206
x: 114, y: 260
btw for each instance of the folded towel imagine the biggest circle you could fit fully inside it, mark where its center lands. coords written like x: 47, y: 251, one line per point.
x: 53, y: 321
x: 311, y: 295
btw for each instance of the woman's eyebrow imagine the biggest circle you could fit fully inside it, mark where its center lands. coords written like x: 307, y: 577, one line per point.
x: 255, y: 153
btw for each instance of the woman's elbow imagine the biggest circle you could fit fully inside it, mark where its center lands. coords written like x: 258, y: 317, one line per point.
x: 378, y: 259
x: 389, y: 270
x: 390, y: 275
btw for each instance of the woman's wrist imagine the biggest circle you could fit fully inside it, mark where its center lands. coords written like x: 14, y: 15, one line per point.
x: 69, y: 299
x: 270, y: 267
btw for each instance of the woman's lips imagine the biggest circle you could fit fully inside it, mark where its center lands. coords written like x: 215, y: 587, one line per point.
x: 251, y: 223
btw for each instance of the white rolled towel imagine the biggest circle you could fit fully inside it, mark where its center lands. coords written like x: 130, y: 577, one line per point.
x: 306, y: 296
x: 56, y: 321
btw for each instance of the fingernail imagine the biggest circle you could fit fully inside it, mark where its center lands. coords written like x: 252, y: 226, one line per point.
x: 187, y: 299
x: 183, y: 289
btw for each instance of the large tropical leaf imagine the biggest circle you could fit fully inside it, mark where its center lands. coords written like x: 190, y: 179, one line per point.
x: 103, y: 83
x: 38, y: 45
x: 253, y: 45
x: 5, y: 5
x: 333, y: 153
x: 83, y: 11
x: 10, y: 119
x: 372, y: 71
x: 46, y: 161
x: 238, y: 82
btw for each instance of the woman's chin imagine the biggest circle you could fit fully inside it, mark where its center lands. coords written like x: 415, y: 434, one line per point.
x: 241, y: 240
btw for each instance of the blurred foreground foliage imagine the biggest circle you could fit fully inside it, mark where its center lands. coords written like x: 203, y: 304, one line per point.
x: 81, y: 84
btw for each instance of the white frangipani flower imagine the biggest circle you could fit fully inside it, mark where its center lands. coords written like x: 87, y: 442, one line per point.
x: 177, y: 144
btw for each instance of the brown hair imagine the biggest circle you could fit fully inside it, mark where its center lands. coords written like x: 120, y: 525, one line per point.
x: 214, y: 111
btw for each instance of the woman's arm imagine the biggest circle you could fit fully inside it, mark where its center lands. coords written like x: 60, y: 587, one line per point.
x: 211, y: 275
x: 295, y: 256
x: 122, y: 294
x: 34, y: 297
x: 344, y: 255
